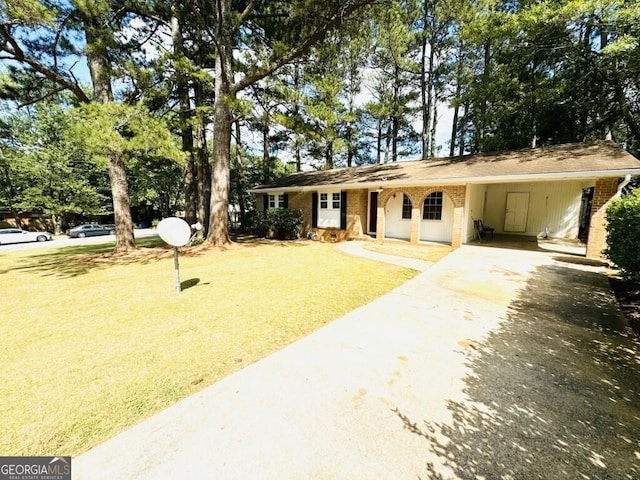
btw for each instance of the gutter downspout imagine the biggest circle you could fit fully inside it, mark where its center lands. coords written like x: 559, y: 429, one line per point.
x: 624, y: 183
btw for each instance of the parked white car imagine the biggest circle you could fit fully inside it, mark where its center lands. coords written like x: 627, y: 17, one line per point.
x: 15, y: 235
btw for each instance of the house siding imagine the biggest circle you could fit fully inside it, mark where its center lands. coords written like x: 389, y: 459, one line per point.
x: 554, y: 207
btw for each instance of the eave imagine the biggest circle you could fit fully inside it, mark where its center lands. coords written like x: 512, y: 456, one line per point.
x: 425, y: 182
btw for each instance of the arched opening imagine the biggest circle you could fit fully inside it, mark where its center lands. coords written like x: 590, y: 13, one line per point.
x: 398, y: 216
x: 436, y: 223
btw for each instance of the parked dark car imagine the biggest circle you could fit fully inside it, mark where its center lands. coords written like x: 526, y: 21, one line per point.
x: 15, y: 235
x: 91, y: 230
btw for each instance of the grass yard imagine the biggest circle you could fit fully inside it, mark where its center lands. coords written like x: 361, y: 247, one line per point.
x: 94, y: 342
x: 430, y: 252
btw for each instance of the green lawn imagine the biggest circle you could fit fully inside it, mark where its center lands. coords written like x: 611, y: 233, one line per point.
x: 430, y: 252
x: 94, y: 342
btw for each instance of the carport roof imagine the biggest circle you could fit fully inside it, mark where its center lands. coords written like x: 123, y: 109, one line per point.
x: 579, y: 160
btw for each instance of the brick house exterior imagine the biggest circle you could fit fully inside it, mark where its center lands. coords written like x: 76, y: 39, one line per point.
x: 559, y: 192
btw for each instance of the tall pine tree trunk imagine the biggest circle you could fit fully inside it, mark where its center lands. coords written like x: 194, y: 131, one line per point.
x: 100, y: 69
x: 297, y: 139
x: 534, y: 105
x: 186, y: 130
x: 424, y: 93
x: 454, y: 129
x: 350, y: 147
x: 482, y: 124
x: 297, y: 152
x: 395, y: 130
x: 240, y: 193
x: 463, y: 129
x: 427, y: 83
x: 267, y: 169
x: 328, y: 155
x: 434, y: 126
x: 456, y: 108
x: 379, y: 142
x: 203, y: 170
x: 388, y: 140
x: 395, y: 121
x: 218, y: 231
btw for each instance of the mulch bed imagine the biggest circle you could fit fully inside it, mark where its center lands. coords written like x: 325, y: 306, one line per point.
x: 628, y: 295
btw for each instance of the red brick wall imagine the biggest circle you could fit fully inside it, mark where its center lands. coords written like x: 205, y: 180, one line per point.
x: 605, y: 189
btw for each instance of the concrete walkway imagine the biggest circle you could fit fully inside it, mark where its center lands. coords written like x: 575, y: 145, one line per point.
x: 492, y: 363
x: 357, y: 248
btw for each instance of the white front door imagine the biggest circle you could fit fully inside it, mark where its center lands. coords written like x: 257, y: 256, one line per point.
x: 395, y: 225
x: 515, y: 219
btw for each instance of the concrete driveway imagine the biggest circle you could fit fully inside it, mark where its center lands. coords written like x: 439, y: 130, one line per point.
x: 493, y: 363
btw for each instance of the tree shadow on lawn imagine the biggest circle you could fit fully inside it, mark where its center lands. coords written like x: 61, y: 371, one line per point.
x: 554, y: 393
x: 81, y: 259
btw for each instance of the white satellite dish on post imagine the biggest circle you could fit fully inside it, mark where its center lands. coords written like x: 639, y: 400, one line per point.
x: 177, y: 233
x: 174, y: 231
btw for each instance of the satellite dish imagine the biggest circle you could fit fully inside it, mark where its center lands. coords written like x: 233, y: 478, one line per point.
x: 174, y: 231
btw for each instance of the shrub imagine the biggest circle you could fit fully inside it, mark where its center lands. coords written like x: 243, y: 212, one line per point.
x: 623, y: 234
x: 194, y: 241
x: 285, y: 224
x: 280, y: 223
x: 255, y: 223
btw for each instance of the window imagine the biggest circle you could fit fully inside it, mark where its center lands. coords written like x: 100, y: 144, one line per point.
x: 324, y: 203
x: 329, y: 209
x: 432, y: 208
x: 276, y: 201
x: 406, y: 207
x: 335, y: 200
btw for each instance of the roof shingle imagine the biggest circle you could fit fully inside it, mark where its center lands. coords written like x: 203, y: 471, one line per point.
x: 570, y: 159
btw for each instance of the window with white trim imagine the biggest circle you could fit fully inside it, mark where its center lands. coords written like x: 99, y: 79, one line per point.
x: 324, y: 202
x: 406, y: 207
x: 335, y: 200
x: 432, y: 208
x: 276, y: 201
x: 333, y: 204
x: 329, y: 209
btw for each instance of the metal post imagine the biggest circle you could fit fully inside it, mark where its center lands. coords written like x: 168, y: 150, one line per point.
x: 176, y: 269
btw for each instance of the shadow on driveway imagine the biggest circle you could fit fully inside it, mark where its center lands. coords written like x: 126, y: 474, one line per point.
x: 554, y: 393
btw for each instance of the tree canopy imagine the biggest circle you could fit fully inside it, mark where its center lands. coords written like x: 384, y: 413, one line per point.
x: 315, y: 84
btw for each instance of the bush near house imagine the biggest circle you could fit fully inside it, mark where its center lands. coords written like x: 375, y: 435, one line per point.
x: 284, y: 223
x: 255, y: 223
x: 280, y: 223
x: 623, y: 234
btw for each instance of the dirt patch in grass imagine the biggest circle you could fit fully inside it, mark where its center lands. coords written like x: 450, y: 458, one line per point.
x: 628, y: 295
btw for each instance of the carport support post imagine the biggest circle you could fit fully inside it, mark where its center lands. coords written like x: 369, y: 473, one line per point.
x: 176, y: 269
